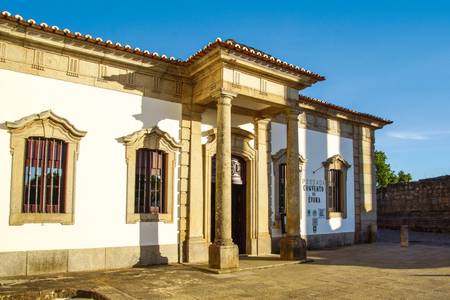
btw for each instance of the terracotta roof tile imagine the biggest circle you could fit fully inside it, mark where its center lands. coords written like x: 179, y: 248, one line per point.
x: 252, y: 52
x: 229, y: 44
x: 312, y: 100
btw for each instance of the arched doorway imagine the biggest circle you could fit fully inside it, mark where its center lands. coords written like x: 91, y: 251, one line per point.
x: 238, y: 202
x: 244, y: 209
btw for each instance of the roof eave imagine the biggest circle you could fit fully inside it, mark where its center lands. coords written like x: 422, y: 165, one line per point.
x: 368, y: 119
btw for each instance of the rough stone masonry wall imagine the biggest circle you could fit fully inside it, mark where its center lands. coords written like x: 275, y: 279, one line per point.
x: 423, y: 205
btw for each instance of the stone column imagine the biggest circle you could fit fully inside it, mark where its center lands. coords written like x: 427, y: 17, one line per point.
x: 223, y: 253
x: 292, y: 247
x: 262, y: 188
x: 196, y: 246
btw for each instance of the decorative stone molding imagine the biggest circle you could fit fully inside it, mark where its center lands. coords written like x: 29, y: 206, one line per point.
x: 157, y: 84
x: 73, y: 67
x: 263, y: 86
x: 102, y: 72
x: 153, y: 139
x: 278, y: 159
x: 2, y: 52
x: 337, y: 162
x: 38, y: 60
x: 48, y: 125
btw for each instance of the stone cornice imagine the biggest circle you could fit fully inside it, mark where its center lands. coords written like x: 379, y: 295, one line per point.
x: 282, y: 153
x: 335, y: 111
x: 234, y: 131
x: 137, y: 135
x: 336, y: 158
x: 45, y: 115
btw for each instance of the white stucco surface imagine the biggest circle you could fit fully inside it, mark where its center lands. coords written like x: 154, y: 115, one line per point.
x: 209, y: 121
x: 316, y: 147
x: 100, y: 199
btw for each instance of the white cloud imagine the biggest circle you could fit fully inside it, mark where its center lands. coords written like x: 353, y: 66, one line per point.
x: 417, y: 135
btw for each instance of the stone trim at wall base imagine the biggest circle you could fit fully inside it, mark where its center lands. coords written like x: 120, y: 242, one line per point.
x: 320, y: 241
x: 24, y: 263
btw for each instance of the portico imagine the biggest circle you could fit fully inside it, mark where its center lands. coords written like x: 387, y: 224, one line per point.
x: 234, y: 85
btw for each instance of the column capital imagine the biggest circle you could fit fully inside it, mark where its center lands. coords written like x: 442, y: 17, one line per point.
x: 262, y: 121
x: 292, y: 112
x: 222, y: 95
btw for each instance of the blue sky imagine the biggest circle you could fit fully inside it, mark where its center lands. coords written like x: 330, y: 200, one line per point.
x: 388, y: 58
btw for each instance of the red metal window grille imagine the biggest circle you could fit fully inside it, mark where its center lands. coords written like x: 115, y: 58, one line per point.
x: 44, y: 176
x: 150, y: 183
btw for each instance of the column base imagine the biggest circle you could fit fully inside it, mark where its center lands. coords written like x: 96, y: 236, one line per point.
x: 292, y: 248
x: 223, y: 257
x: 196, y: 251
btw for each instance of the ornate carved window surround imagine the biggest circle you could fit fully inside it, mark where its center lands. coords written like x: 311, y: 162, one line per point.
x: 47, y: 125
x: 278, y: 159
x: 337, y: 162
x: 153, y: 139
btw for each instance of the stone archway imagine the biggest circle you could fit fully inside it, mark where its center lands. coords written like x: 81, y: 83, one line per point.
x: 241, y: 146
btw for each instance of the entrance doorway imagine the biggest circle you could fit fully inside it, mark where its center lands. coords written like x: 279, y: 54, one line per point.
x: 238, y: 202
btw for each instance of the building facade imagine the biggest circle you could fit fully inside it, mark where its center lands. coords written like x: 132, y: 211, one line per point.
x: 115, y: 157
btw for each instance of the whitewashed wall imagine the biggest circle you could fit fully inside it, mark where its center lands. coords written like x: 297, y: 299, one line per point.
x: 316, y: 147
x: 100, y: 199
x: 209, y: 121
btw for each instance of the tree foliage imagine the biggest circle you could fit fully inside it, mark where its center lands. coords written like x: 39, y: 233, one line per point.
x: 385, y: 175
x: 404, y: 177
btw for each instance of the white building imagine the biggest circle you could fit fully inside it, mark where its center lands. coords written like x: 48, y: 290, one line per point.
x: 108, y: 156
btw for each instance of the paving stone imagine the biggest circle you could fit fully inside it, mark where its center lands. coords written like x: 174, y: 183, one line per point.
x: 375, y: 271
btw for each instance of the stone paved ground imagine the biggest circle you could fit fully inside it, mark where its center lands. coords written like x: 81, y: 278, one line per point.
x: 376, y: 271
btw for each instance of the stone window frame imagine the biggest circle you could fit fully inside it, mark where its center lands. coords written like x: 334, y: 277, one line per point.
x: 47, y: 125
x: 336, y: 162
x: 152, y: 139
x: 278, y: 159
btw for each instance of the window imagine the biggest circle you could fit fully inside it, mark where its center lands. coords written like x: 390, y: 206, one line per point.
x: 279, y: 169
x: 44, y: 150
x: 44, y: 176
x: 151, y: 159
x: 150, y: 179
x: 335, y: 200
x: 336, y: 182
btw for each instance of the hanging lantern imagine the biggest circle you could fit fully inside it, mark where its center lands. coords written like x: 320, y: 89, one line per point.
x: 236, y: 170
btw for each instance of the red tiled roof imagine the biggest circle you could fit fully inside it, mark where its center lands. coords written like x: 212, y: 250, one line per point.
x: 252, y: 52
x: 312, y: 100
x: 229, y: 44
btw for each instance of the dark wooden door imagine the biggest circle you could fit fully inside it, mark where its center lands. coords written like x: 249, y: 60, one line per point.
x: 238, y: 226
x: 238, y: 210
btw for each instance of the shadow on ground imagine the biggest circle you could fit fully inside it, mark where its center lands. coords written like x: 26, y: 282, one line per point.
x: 353, y: 272
x: 425, y: 251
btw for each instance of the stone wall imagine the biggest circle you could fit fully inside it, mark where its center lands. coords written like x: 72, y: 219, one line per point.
x: 424, y: 205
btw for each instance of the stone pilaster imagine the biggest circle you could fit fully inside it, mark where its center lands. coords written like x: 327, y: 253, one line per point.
x: 292, y: 246
x: 368, y: 183
x: 196, y: 248
x: 185, y: 131
x: 262, y: 188
x: 357, y: 180
x: 223, y: 253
